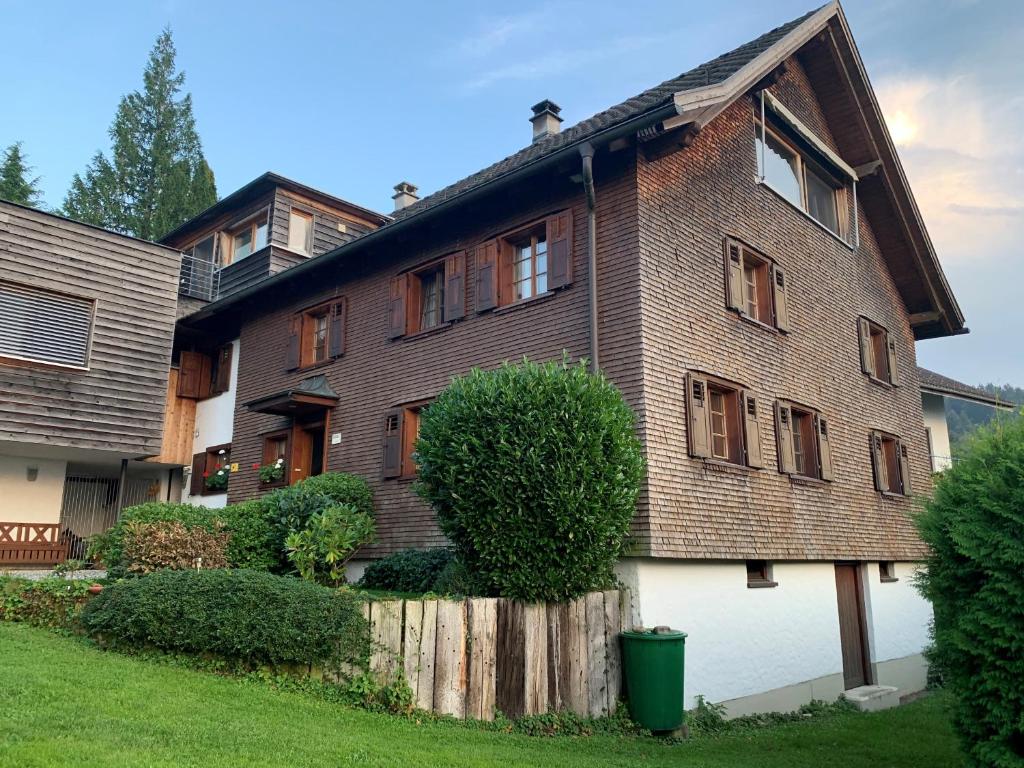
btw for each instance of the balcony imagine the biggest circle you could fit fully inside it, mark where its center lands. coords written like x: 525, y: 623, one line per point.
x: 206, y: 281
x: 199, y: 279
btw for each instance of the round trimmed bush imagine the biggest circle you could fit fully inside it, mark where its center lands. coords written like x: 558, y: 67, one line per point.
x: 974, y: 527
x: 534, y: 472
x: 411, y: 570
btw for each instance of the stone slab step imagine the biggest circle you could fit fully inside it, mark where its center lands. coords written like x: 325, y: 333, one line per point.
x: 872, y: 698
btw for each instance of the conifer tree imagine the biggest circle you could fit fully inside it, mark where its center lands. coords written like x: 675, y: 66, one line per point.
x: 15, y: 184
x: 156, y: 176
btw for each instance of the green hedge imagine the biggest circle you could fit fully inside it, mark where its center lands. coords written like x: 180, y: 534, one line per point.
x: 54, y: 603
x: 412, y: 570
x: 251, y: 616
x: 974, y: 526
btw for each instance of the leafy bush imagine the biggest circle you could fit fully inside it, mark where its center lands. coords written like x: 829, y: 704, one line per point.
x: 233, y: 614
x: 53, y: 603
x: 412, y: 570
x: 320, y: 550
x: 109, y: 547
x: 533, y: 471
x: 974, y: 527
x: 342, y: 488
x: 253, y: 543
x: 148, y: 547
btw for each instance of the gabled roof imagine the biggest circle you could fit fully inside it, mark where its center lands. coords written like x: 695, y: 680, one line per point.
x: 937, y: 384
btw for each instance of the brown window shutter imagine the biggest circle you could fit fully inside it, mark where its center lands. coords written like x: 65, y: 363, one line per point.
x: 901, y: 453
x: 486, y: 275
x: 398, y: 293
x: 559, y: 236
x: 890, y: 347
x: 336, y: 329
x: 780, y: 294
x: 698, y: 426
x: 194, y: 376
x: 878, y: 462
x: 455, y: 286
x: 294, y: 342
x: 751, y: 430
x: 784, y: 437
x: 222, y: 379
x: 867, y: 360
x: 734, y: 276
x: 824, y: 448
x: 196, y: 482
x: 392, y: 465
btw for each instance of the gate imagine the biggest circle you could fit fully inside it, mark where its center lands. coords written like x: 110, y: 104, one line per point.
x: 89, y: 506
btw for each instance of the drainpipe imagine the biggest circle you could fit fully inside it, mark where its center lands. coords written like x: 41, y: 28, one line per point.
x: 120, y: 487
x: 587, y: 153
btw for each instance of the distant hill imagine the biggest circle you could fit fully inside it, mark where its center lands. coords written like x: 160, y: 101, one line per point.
x: 964, y: 417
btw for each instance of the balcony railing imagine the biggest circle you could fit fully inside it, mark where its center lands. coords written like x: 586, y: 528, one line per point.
x: 199, y: 279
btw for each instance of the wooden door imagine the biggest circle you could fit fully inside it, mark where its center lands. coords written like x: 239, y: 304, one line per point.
x: 302, y: 454
x: 852, y: 634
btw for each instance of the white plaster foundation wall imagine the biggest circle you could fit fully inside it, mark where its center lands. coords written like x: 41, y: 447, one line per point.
x: 898, y: 621
x: 37, y: 501
x: 742, y: 641
x: 934, y: 407
x: 215, y: 421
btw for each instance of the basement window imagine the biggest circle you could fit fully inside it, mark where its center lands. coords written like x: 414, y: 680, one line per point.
x: 759, y: 574
x: 887, y: 572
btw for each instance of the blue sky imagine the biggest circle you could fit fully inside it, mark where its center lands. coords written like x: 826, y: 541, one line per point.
x: 353, y: 99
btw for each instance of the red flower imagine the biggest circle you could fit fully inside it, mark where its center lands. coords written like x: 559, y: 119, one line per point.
x: 255, y: 466
x: 206, y: 474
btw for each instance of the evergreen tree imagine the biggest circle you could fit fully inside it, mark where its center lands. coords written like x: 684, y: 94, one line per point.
x: 15, y: 184
x: 156, y: 177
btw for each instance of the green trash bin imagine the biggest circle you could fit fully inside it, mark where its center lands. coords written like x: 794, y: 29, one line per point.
x: 653, y: 666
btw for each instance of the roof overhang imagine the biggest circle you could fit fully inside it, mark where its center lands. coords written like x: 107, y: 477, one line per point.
x: 311, y: 397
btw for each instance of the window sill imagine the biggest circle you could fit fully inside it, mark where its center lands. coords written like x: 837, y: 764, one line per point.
x: 893, y: 495
x: 754, y: 321
x: 888, y: 579
x: 807, y: 480
x: 880, y: 382
x: 525, y: 302
x: 762, y: 183
x: 721, y: 464
x: 762, y: 584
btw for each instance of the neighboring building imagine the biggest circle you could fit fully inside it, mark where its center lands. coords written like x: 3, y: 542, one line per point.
x: 935, y: 390
x: 739, y: 251
x: 86, y: 323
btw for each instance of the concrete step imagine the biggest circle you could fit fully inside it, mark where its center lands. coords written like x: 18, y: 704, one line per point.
x: 872, y: 698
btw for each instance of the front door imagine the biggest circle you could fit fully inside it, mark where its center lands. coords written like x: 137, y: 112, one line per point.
x: 852, y: 634
x: 307, y: 450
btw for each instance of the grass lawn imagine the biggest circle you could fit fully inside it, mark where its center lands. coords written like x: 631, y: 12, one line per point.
x: 64, y: 703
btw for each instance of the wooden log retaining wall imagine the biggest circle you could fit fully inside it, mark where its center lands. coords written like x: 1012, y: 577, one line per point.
x: 468, y: 658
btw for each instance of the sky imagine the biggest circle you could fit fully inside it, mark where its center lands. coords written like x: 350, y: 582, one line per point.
x: 352, y: 99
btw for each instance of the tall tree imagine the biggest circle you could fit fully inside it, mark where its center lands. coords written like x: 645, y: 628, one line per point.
x: 15, y: 184
x: 156, y: 177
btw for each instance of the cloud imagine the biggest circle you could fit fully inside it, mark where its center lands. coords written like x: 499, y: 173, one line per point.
x: 495, y: 33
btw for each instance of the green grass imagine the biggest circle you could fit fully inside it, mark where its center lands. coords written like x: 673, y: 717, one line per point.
x: 63, y: 702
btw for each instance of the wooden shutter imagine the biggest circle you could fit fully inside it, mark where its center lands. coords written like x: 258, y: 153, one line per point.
x: 878, y: 462
x: 890, y: 348
x: 751, y: 430
x: 734, y: 276
x: 194, y: 377
x: 904, y: 461
x: 867, y: 358
x: 486, y: 275
x: 222, y: 379
x: 196, y: 482
x: 559, y: 236
x: 336, y: 329
x: 699, y: 425
x: 779, y: 293
x: 392, y: 465
x: 455, y: 286
x: 824, y: 448
x: 784, y: 437
x: 396, y: 306
x: 293, y: 348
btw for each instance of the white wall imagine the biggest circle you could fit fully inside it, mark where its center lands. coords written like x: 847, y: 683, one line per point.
x: 934, y: 407
x: 215, y: 418
x: 38, y: 501
x: 898, y: 617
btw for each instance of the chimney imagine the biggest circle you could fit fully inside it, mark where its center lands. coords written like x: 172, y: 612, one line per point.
x: 405, y: 195
x: 545, y: 119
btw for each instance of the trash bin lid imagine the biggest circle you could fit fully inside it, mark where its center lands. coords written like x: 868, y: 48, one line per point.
x: 674, y: 634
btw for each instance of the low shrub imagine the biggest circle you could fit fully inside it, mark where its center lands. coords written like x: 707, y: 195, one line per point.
x: 54, y: 603
x: 253, y: 543
x: 411, y: 570
x: 341, y: 488
x: 320, y: 550
x: 148, y: 547
x: 108, y: 547
x: 252, y: 616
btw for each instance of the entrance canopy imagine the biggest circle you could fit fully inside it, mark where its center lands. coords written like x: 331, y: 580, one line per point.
x: 311, y: 397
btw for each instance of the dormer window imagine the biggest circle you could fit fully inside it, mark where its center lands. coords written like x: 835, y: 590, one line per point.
x: 245, y: 239
x: 300, y: 232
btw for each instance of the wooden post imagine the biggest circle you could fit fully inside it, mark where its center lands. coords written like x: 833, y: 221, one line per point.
x: 535, y: 659
x: 425, y: 666
x: 450, y: 659
x: 412, y: 635
x: 556, y: 657
x: 483, y: 630
x: 577, y: 648
x: 510, y: 662
x: 596, y: 651
x: 386, y: 639
x: 613, y: 668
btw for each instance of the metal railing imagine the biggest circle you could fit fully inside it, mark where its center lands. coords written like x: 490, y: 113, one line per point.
x: 199, y: 278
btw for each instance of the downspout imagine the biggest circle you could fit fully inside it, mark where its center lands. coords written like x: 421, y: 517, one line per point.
x: 587, y: 153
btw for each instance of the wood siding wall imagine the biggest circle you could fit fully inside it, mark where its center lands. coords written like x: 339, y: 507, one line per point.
x: 326, y: 234
x: 116, y: 405
x: 179, y: 425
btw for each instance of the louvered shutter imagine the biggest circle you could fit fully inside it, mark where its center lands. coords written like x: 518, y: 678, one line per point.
x: 392, y: 463
x: 734, y: 276
x: 336, y: 329
x: 193, y: 375
x: 878, y: 462
x: 44, y: 326
x: 293, y: 349
x: 486, y: 257
x: 890, y: 348
x: 867, y: 358
x: 699, y: 424
x: 197, y: 481
x: 455, y: 287
x: 784, y: 437
x: 397, y: 295
x: 222, y: 378
x: 751, y: 430
x: 559, y: 237
x: 824, y: 448
x: 904, y: 461
x: 780, y: 295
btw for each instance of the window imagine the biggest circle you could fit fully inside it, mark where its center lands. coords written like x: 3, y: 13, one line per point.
x: 274, y: 470
x: 759, y: 574
x: 401, y: 428
x: 723, y: 421
x: 202, y: 375
x: 39, y: 326
x: 890, y: 463
x: 317, y: 335
x: 203, y: 250
x: 525, y: 263
x: 877, y: 352
x: 798, y: 178
x: 211, y: 471
x: 887, y: 572
x: 803, y: 441
x: 300, y: 232
x: 248, y: 238
x: 428, y: 296
x: 755, y: 286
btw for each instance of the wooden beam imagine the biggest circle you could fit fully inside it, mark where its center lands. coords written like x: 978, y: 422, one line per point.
x: 923, y: 318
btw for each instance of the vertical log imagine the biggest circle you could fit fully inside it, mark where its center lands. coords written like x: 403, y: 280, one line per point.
x: 425, y: 666
x: 509, y: 661
x: 483, y: 629
x: 556, y: 674
x: 386, y: 636
x: 576, y: 641
x: 597, y: 689
x: 450, y: 659
x: 535, y: 659
x: 412, y: 636
x: 612, y: 627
